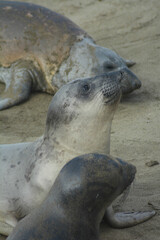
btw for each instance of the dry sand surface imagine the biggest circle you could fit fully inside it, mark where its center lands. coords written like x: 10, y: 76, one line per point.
x: 132, y: 29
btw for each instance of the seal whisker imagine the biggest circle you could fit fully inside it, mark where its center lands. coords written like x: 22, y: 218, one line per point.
x: 98, y: 96
x: 97, y: 102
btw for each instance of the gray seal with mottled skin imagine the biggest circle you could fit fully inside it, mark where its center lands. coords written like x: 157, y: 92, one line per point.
x: 41, y: 50
x: 77, y: 201
x: 78, y: 122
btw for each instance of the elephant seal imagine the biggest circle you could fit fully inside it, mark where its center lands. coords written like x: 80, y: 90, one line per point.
x: 78, y: 122
x: 79, y: 111
x: 41, y: 50
x: 77, y: 201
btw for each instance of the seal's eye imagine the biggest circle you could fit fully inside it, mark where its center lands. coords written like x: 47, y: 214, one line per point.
x: 109, y: 66
x: 86, y: 88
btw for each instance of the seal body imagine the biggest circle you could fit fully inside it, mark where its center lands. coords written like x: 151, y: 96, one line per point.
x: 41, y: 50
x: 77, y: 201
x: 78, y: 122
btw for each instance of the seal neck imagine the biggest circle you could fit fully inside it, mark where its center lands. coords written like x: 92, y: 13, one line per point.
x: 81, y: 138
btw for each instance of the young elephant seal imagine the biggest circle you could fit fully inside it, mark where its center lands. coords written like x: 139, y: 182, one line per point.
x: 78, y: 122
x: 41, y: 50
x: 77, y: 201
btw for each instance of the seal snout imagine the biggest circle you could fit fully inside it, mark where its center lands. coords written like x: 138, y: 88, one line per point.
x: 129, y: 81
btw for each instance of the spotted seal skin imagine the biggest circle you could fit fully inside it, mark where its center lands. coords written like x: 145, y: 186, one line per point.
x: 41, y: 50
x: 77, y: 201
x: 78, y: 122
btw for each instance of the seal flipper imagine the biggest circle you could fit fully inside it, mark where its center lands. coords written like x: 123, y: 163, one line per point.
x: 126, y: 219
x: 19, y: 88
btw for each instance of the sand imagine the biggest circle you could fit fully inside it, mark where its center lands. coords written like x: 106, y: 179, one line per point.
x: 132, y: 29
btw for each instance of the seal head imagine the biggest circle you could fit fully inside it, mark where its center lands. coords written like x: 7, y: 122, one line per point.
x: 88, y: 59
x: 82, y: 94
x: 87, y: 107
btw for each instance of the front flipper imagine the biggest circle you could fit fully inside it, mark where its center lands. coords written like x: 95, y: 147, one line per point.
x: 19, y: 87
x: 128, y: 219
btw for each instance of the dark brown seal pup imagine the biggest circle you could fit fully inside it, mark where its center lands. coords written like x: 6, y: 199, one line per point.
x: 77, y: 201
x: 41, y: 50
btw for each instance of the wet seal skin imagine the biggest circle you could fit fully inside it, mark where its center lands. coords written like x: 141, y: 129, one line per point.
x: 41, y: 50
x: 77, y: 201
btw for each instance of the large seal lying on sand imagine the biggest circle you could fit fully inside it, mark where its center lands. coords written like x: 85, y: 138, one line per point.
x: 41, y: 50
x: 78, y: 122
x: 77, y: 201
